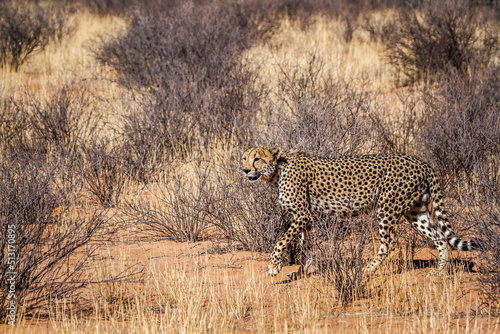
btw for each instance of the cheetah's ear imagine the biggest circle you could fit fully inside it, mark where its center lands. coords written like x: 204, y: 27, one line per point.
x: 275, y: 151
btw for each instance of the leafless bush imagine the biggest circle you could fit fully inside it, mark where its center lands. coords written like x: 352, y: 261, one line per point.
x: 342, y: 247
x: 318, y: 114
x: 249, y: 214
x: 28, y: 27
x: 459, y: 129
x: 189, y: 49
x: 104, y: 173
x: 198, y: 198
x: 185, y: 71
x: 52, y: 127
x: 13, y: 123
x: 340, y: 254
x: 439, y: 36
x: 479, y: 215
x: 489, y: 279
x: 490, y: 275
x: 398, y: 131
x: 39, y: 237
x: 175, y: 211
x: 62, y: 120
x: 156, y: 132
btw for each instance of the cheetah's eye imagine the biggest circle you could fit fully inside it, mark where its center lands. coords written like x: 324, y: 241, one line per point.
x: 256, y: 159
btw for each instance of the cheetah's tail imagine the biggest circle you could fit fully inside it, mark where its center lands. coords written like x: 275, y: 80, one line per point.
x: 440, y: 213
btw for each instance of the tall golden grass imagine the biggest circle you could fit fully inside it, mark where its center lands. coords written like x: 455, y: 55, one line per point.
x: 356, y: 61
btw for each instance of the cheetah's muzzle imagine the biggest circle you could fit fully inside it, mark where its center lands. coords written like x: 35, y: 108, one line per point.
x: 253, y: 178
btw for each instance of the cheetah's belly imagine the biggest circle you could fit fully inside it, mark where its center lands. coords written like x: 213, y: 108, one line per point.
x: 342, y: 203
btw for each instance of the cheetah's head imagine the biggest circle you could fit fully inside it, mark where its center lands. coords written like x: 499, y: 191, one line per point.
x: 260, y: 162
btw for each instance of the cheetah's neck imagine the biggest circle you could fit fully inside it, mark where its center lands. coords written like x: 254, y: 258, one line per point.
x: 281, y: 164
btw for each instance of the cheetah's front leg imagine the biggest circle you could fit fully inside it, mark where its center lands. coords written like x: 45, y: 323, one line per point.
x: 305, y: 259
x: 299, y: 223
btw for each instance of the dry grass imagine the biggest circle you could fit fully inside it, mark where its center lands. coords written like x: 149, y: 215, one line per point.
x: 71, y: 59
x: 359, y: 61
x: 184, y: 288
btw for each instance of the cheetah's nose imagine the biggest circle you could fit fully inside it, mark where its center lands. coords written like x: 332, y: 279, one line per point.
x: 246, y: 171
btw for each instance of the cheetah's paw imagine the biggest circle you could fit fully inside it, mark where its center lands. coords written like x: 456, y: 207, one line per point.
x: 274, y: 269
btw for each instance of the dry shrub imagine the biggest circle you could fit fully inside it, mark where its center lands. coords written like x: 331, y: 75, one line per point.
x: 63, y: 120
x: 104, y: 173
x: 27, y: 28
x: 191, y: 89
x: 489, y: 279
x: 437, y: 36
x: 39, y: 180
x: 459, y: 128
x: 177, y: 210
x: 397, y: 131
x: 13, y: 123
x: 249, y: 215
x: 478, y: 216
x: 41, y: 237
x: 480, y: 212
x: 341, y: 254
x: 154, y: 133
x: 54, y: 125
x: 194, y: 201
x: 318, y: 113
x: 167, y: 46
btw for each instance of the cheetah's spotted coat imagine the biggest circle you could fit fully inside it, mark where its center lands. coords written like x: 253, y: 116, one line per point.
x: 393, y: 184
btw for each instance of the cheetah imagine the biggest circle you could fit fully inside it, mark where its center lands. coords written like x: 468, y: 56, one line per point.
x: 393, y: 184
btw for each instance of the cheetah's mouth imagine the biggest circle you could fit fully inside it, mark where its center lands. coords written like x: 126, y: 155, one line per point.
x: 253, y: 178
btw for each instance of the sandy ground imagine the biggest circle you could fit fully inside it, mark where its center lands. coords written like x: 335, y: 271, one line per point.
x: 204, y: 258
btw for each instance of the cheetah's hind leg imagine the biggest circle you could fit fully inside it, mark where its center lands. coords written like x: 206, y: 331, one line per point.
x: 420, y: 218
